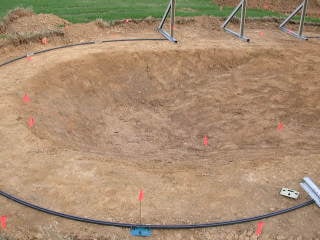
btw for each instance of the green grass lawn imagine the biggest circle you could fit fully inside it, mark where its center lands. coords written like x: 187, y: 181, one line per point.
x: 87, y: 10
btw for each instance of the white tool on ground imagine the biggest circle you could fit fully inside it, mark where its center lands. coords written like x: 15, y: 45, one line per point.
x: 312, y: 189
x: 290, y: 193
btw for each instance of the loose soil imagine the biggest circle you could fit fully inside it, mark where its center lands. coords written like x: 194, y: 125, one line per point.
x: 36, y: 23
x: 115, y: 118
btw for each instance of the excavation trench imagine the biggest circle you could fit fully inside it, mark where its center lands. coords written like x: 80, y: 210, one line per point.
x: 160, y: 104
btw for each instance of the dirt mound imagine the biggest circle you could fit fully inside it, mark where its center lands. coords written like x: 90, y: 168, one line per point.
x: 36, y: 23
x: 276, y: 5
x: 12, y: 16
x: 22, y: 26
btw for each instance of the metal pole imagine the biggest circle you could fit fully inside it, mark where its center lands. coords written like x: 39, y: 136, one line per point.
x: 243, y: 6
x: 170, y: 9
x: 291, y: 15
x: 173, y: 12
x: 231, y: 15
x: 303, y: 7
x: 311, y: 193
x: 312, y: 185
x: 303, y: 15
x: 140, y: 212
x: 243, y: 16
x: 165, y: 16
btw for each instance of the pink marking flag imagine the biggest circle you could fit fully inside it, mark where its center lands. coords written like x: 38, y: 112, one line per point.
x: 261, y: 34
x: 280, y: 126
x: 205, y: 140
x: 31, y: 122
x: 44, y: 41
x: 26, y: 98
x: 259, y: 228
x: 3, y: 220
x: 141, y: 196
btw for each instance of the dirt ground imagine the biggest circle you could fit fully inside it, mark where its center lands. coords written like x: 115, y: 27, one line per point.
x: 114, y: 118
x: 277, y: 5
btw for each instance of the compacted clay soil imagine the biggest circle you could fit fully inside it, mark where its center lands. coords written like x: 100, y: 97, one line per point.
x: 114, y: 118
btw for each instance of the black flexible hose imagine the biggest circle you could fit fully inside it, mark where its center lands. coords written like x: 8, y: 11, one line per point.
x: 154, y: 226
x: 82, y: 44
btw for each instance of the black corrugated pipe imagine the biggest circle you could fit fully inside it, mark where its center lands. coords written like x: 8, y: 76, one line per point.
x: 82, y: 44
x: 155, y: 226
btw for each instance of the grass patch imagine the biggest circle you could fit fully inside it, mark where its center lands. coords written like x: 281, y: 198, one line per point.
x: 78, y: 11
x: 3, y: 36
x: 60, y: 25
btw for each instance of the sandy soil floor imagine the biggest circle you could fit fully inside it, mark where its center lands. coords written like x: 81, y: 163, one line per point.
x: 111, y: 119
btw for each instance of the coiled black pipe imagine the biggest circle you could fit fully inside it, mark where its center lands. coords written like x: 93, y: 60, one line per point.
x: 154, y: 226
x: 82, y: 44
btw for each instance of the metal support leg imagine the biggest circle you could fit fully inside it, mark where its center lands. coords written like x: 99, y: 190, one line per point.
x: 166, y: 13
x: 303, y: 15
x: 234, y: 12
x: 241, y: 6
x: 243, y: 16
x: 173, y: 15
x: 303, y: 8
x: 170, y: 9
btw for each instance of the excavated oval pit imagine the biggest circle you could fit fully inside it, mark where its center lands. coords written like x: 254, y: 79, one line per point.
x: 160, y: 105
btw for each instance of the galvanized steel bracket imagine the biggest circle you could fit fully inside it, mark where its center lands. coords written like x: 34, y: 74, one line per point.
x: 303, y: 8
x: 241, y: 6
x: 171, y: 9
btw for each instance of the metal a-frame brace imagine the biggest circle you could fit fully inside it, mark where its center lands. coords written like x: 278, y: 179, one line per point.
x: 303, y: 8
x: 172, y: 10
x: 242, y: 6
